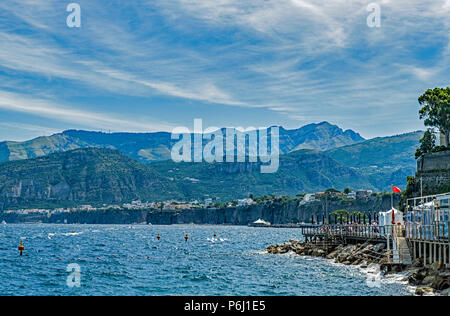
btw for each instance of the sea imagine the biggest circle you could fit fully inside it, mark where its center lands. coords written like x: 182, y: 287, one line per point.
x: 130, y: 260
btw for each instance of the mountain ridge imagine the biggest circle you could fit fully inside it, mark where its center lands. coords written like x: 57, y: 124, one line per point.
x: 385, y: 161
x: 80, y: 176
x: 150, y: 147
x: 371, y: 164
x: 98, y: 175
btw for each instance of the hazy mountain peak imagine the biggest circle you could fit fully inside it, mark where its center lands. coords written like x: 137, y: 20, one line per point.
x: 156, y: 146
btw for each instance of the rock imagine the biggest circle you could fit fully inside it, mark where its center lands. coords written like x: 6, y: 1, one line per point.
x: 416, y: 278
x: 418, y: 262
x: 440, y: 283
x: 339, y: 248
x: 445, y: 292
x: 436, y: 266
x: 383, y: 260
x: 445, y: 274
x: 272, y: 249
x: 367, y: 249
x: 356, y: 262
x: 300, y: 251
x: 332, y: 255
x: 379, y: 247
x: 363, y: 264
x: 347, y: 263
x: 423, y: 290
x: 341, y: 257
x: 428, y: 280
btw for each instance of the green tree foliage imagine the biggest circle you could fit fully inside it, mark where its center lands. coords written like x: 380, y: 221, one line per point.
x: 345, y: 215
x: 427, y: 143
x: 347, y: 190
x: 436, y: 110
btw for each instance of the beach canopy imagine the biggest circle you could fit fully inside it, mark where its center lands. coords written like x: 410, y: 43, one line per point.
x: 391, y: 217
x: 426, y: 207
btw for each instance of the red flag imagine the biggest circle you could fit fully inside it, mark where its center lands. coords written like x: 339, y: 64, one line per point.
x: 396, y: 190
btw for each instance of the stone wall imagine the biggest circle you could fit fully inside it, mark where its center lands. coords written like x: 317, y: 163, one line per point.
x: 434, y: 161
x: 434, y: 171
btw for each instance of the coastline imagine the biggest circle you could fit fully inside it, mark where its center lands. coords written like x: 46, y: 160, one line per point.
x: 372, y: 260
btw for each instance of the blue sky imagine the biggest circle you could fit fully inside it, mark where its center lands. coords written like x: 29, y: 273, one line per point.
x: 153, y: 65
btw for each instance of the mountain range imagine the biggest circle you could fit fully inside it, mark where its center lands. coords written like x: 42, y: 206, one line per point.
x: 149, y: 147
x: 82, y: 167
x: 88, y: 175
x: 105, y: 176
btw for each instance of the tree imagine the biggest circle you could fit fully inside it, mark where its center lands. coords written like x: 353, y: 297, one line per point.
x: 347, y: 190
x: 436, y: 110
x: 427, y: 143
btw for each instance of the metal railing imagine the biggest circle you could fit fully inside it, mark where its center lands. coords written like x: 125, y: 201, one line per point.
x: 341, y: 230
x: 416, y: 201
x: 438, y: 231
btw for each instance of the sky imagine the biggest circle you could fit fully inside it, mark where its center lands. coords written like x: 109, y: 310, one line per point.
x: 143, y: 66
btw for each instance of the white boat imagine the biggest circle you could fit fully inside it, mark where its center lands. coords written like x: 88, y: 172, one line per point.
x: 260, y: 223
x: 3, y: 223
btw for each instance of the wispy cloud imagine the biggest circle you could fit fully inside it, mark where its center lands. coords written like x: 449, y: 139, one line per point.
x: 41, y: 130
x: 47, y: 108
x: 296, y: 60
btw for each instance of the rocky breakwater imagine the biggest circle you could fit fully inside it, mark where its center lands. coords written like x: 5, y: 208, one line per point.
x: 426, y: 280
x: 434, y: 279
x: 362, y: 254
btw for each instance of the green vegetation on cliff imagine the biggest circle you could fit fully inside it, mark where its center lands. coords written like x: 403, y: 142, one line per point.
x: 82, y: 176
x: 299, y: 171
x: 384, y: 160
x: 97, y: 176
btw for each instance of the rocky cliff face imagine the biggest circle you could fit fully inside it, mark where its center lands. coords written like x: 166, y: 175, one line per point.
x: 282, y: 212
x: 299, y: 171
x: 83, y: 176
x: 278, y: 212
x: 103, y: 176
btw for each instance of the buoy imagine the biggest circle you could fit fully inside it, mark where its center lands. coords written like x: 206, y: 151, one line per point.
x: 186, y: 237
x: 215, y: 235
x: 21, y: 247
x: 158, y: 237
x: 59, y: 259
x: 98, y: 258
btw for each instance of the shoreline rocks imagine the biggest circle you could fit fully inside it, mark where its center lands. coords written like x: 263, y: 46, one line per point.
x: 434, y: 280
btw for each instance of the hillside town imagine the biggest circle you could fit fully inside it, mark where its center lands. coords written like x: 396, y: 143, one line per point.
x: 174, y: 205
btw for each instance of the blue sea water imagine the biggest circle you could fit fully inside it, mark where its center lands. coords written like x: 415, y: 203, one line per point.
x: 131, y: 261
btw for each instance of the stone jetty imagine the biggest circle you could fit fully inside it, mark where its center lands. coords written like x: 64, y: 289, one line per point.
x: 430, y: 280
